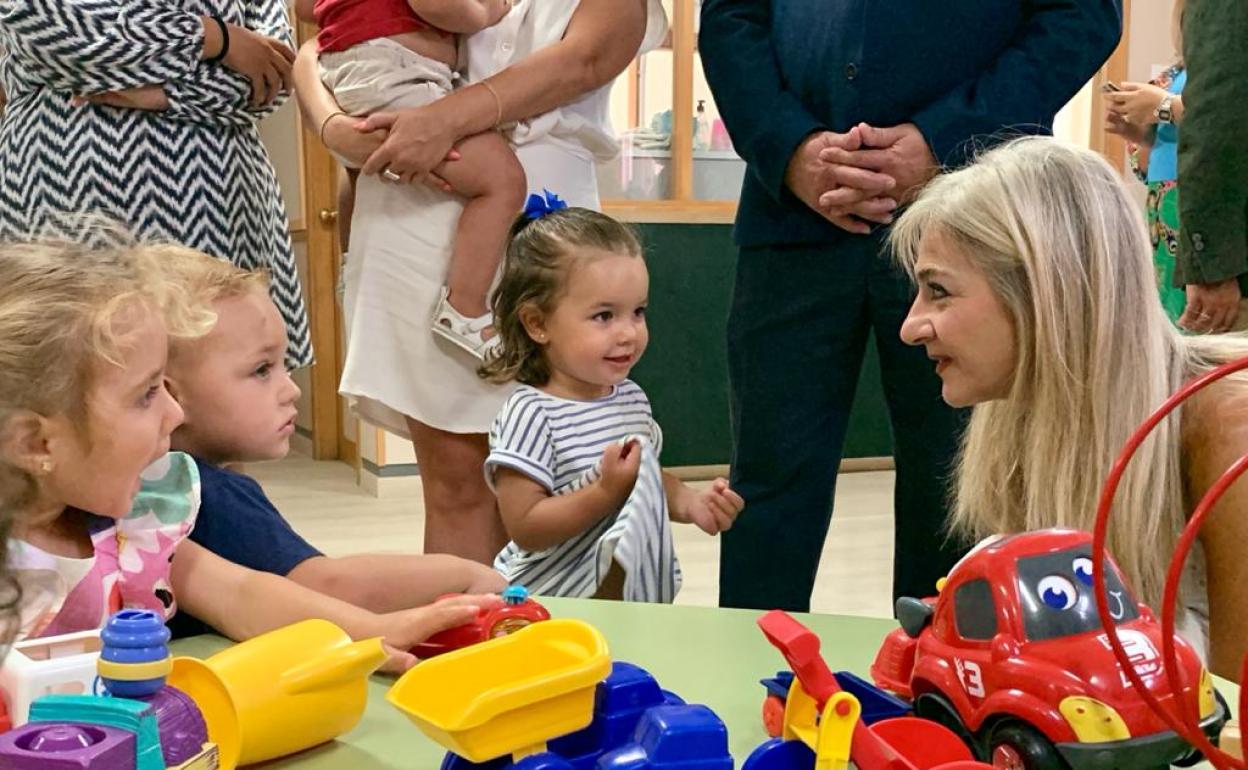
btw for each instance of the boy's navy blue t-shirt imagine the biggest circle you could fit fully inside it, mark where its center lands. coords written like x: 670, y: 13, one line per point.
x: 238, y: 522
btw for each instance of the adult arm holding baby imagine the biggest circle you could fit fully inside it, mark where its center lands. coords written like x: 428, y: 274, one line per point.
x: 601, y: 39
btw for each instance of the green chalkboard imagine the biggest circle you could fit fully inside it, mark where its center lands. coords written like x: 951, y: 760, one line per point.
x: 685, y: 370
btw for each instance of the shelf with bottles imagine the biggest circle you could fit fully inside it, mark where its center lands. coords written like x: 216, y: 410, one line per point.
x: 646, y: 174
x: 676, y: 157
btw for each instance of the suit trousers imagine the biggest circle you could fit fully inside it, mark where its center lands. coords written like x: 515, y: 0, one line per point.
x: 798, y: 328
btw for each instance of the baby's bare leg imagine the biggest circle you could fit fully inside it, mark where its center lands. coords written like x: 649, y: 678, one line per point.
x: 489, y: 175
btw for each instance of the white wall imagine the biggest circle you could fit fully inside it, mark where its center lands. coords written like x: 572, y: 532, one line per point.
x: 1150, y: 48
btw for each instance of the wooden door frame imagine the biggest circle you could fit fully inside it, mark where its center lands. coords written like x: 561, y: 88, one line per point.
x: 320, y: 216
x: 1114, y: 148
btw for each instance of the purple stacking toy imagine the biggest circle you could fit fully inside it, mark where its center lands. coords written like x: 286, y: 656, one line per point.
x: 182, y: 729
x: 59, y: 746
x: 132, y: 659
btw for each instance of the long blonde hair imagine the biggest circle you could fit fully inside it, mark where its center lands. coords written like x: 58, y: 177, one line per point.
x: 1065, y: 249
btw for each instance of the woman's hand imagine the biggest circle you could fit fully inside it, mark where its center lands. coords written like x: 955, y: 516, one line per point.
x: 1115, y: 124
x: 150, y: 98
x: 264, y: 61
x: 348, y: 138
x: 419, y: 141
x: 402, y: 631
x: 1136, y: 103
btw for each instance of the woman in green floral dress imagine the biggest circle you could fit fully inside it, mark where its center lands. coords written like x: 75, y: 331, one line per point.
x: 1148, y: 115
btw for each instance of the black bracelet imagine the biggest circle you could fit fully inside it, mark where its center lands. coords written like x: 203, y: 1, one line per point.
x: 225, y: 41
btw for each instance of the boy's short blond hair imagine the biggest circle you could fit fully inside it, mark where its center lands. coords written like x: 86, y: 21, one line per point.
x: 204, y: 280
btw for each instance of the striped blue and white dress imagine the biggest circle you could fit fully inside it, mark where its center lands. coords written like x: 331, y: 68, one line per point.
x: 196, y: 173
x: 559, y: 443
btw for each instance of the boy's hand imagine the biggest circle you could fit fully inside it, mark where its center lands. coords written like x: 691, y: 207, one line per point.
x: 401, y: 631
x: 713, y: 510
x: 620, y: 466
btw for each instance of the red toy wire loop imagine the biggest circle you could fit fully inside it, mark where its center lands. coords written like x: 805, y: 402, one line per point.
x: 1184, y: 723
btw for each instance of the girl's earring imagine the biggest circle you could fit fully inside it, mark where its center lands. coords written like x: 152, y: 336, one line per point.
x: 45, y: 467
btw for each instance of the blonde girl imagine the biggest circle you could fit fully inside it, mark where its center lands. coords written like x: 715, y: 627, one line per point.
x: 85, y: 422
x: 1037, y: 303
x: 574, y: 452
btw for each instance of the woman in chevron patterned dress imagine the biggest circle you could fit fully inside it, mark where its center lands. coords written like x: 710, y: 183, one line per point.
x: 146, y: 112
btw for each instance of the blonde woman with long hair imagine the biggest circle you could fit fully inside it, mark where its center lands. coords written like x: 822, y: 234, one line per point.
x: 1038, y: 304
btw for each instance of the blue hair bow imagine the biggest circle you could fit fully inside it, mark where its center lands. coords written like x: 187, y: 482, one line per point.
x: 538, y: 206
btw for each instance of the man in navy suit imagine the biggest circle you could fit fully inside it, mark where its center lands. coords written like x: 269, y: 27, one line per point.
x: 843, y: 110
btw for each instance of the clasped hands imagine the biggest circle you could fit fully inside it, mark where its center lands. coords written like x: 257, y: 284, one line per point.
x: 860, y: 177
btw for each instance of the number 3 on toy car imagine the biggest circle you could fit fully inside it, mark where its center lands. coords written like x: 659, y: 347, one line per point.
x: 972, y: 677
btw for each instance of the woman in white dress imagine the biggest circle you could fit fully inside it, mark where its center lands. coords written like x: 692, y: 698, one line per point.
x: 543, y: 75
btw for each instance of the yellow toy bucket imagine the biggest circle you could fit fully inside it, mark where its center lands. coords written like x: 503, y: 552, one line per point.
x: 281, y: 692
x: 508, y: 695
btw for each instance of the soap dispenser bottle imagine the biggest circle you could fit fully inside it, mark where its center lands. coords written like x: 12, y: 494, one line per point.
x: 701, y: 127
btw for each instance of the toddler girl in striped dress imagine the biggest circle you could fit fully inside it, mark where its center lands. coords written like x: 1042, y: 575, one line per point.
x: 574, y: 453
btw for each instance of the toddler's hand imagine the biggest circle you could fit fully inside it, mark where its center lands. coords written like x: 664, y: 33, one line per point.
x: 620, y: 466
x: 405, y: 629
x: 715, y: 509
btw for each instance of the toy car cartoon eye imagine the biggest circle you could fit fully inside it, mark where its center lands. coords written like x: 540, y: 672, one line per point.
x: 1082, y: 567
x: 1058, y: 592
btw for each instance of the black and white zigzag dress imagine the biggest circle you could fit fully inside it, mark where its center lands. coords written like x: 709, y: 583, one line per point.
x: 196, y: 173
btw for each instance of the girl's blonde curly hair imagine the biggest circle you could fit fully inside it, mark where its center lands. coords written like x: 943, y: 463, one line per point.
x: 62, y: 315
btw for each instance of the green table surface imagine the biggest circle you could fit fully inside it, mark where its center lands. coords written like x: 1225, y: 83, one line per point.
x: 705, y: 655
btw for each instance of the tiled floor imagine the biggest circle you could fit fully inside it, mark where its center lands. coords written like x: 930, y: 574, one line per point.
x: 323, y: 503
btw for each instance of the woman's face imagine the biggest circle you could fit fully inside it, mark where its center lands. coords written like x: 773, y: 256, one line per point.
x: 962, y: 323
x: 130, y: 416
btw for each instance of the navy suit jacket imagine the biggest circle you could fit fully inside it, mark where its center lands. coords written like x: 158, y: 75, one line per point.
x: 963, y: 71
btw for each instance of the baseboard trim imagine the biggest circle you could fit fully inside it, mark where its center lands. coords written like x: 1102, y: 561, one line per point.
x: 848, y: 465
x: 391, y: 471
x: 388, y: 480
x: 301, y: 442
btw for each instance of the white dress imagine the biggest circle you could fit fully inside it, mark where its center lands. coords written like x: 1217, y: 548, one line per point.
x: 401, y: 242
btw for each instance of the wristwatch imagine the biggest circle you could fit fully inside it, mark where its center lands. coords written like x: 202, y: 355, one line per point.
x: 1164, y: 113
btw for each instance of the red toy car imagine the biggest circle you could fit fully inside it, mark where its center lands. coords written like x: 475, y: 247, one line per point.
x: 1011, y: 656
x: 516, y: 612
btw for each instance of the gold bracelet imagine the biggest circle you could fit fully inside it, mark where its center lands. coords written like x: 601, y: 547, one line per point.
x: 498, y: 120
x: 325, y: 123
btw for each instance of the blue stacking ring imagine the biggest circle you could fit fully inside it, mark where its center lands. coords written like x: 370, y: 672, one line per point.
x: 133, y: 637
